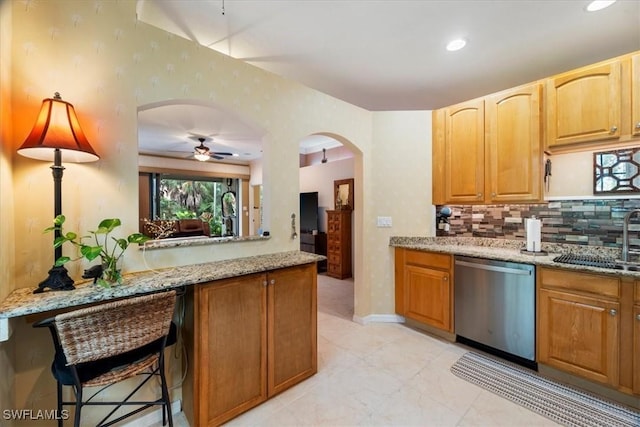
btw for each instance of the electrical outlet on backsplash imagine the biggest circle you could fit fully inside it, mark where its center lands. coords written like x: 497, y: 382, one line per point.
x: 580, y: 222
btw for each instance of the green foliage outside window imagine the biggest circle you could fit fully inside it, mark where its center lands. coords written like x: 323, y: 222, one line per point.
x: 185, y: 199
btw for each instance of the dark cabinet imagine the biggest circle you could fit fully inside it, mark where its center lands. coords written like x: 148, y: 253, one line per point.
x: 315, y: 244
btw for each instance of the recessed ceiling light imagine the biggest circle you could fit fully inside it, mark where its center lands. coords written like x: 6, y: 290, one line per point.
x: 599, y: 5
x: 456, y: 44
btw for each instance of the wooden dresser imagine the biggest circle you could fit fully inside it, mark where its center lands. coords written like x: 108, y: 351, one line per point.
x: 339, y: 244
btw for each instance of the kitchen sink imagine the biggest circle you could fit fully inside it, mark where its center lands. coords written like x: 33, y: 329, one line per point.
x: 596, y: 261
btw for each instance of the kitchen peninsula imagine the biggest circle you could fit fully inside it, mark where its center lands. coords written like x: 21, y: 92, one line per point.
x: 254, y: 317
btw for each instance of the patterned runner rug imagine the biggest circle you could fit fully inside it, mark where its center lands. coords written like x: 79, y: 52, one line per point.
x: 563, y: 404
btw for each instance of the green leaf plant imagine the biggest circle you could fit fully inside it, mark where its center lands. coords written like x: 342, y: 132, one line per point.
x: 105, y: 246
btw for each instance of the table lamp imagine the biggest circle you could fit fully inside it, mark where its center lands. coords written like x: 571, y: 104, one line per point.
x: 57, y: 132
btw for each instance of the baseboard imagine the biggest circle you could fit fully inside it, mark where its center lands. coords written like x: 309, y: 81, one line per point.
x: 378, y: 318
x: 153, y: 417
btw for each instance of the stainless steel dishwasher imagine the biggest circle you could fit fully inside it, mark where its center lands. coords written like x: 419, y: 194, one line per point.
x: 495, y: 307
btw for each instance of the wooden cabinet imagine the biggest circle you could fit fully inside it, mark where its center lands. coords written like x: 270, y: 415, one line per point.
x: 491, y: 149
x: 464, y: 153
x: 584, y: 105
x: 514, y: 145
x: 636, y: 339
x: 635, y: 95
x: 579, y: 323
x: 248, y: 338
x: 339, y: 244
x: 424, y: 291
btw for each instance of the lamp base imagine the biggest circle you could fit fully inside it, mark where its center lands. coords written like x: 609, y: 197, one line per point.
x: 58, y: 280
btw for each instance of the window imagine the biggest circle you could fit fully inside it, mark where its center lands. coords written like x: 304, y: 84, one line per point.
x: 172, y: 196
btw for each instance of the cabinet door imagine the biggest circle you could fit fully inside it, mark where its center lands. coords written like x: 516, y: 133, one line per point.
x: 636, y: 349
x: 579, y: 334
x: 428, y: 296
x: 464, y: 152
x: 292, y: 326
x: 584, y: 105
x: 231, y: 348
x: 635, y: 94
x: 513, y: 145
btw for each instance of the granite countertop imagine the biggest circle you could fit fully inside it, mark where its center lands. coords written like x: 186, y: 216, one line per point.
x: 510, y: 250
x: 23, y: 301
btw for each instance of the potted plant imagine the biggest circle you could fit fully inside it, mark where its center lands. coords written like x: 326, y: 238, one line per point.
x: 108, y: 248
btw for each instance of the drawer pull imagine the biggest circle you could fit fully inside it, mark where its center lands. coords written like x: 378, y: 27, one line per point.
x: 613, y: 129
x: 613, y: 312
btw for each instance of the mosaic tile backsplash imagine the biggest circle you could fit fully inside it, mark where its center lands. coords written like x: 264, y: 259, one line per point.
x: 581, y: 222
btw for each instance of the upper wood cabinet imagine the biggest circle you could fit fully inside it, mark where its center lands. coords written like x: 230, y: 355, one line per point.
x: 491, y: 149
x: 635, y: 95
x: 464, y: 153
x: 513, y: 145
x: 584, y: 105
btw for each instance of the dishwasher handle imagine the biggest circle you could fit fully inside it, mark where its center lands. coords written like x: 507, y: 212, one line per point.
x: 493, y: 268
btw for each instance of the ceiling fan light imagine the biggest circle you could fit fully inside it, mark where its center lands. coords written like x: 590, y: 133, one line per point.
x: 201, y: 156
x: 456, y: 44
x: 599, y: 5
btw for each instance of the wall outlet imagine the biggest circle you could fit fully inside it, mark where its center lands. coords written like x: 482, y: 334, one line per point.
x: 384, y: 221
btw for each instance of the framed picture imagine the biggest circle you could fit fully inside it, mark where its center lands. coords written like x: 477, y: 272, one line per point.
x: 343, y: 192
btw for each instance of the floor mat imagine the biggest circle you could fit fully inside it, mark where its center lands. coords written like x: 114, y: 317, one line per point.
x: 561, y: 403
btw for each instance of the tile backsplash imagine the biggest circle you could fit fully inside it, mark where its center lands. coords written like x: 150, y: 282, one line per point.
x: 582, y: 222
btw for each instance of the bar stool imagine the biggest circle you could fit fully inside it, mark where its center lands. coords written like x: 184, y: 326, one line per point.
x: 101, y: 345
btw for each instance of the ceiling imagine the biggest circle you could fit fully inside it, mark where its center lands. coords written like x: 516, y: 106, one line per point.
x: 387, y: 55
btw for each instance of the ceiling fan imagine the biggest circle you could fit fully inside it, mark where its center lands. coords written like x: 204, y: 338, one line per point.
x: 203, y: 153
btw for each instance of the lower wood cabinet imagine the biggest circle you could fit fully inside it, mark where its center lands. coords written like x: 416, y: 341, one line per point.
x: 248, y: 338
x: 636, y: 339
x: 423, y: 287
x: 579, y: 323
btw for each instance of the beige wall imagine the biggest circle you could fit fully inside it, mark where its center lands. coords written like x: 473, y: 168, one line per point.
x: 107, y: 64
x: 7, y: 247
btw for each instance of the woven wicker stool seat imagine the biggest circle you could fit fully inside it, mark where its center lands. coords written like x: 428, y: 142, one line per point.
x: 104, y: 344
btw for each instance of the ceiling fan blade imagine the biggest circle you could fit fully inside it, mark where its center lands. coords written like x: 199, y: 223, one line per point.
x: 223, y: 153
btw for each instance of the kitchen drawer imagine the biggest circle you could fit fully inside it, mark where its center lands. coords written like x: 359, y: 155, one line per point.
x: 333, y: 268
x: 595, y: 284
x: 428, y: 259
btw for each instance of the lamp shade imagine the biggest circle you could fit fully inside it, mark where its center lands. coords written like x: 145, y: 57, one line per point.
x: 57, y: 127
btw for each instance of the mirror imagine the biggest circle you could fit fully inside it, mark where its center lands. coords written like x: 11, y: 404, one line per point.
x: 343, y: 190
x: 616, y: 171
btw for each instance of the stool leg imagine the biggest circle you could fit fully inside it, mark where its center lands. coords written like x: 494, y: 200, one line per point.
x: 165, y: 395
x: 76, y: 420
x: 59, y: 392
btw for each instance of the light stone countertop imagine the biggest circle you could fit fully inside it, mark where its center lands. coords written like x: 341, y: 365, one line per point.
x: 23, y: 301
x: 510, y: 250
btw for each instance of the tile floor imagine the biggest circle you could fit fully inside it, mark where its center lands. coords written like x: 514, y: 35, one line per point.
x: 381, y: 375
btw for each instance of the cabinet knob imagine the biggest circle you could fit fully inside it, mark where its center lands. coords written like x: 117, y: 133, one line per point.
x: 493, y: 194
x: 264, y: 283
x: 273, y: 281
x: 613, y: 129
x: 638, y: 125
x: 637, y: 316
x: 445, y: 278
x: 479, y: 195
x: 613, y: 312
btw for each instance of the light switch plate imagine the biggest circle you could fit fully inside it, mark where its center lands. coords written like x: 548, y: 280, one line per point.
x: 384, y: 221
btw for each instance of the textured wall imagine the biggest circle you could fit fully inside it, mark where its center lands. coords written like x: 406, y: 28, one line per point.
x: 108, y: 64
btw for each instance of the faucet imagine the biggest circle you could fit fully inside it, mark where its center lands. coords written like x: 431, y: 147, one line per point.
x: 625, y: 233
